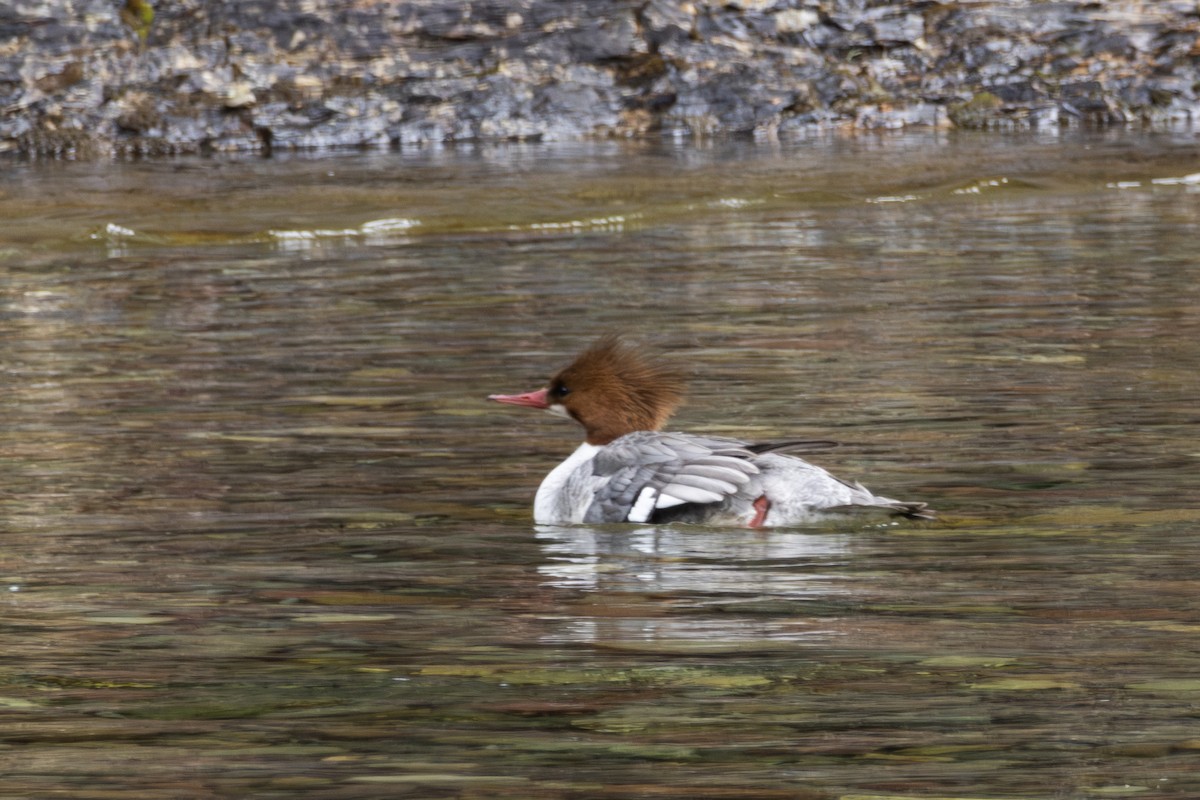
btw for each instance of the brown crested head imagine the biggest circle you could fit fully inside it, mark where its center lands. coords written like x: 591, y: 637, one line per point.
x: 613, y: 389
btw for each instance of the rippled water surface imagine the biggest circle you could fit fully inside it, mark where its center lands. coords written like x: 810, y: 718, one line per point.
x: 262, y: 536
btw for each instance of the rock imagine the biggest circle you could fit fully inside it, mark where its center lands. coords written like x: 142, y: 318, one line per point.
x: 94, y: 78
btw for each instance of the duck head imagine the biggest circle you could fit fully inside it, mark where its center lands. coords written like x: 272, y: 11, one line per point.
x: 611, y: 389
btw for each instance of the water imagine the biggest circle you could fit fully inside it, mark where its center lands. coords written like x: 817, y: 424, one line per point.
x: 264, y: 538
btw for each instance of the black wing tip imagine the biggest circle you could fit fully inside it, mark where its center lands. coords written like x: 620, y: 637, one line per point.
x: 794, y: 445
x: 893, y: 508
x: 914, y: 511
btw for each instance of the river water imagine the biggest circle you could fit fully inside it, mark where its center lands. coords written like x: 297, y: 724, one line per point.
x: 263, y: 537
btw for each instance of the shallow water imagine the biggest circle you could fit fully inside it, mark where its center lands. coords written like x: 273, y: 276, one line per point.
x: 263, y: 537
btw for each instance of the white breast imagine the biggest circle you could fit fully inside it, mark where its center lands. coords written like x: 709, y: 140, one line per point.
x: 560, y: 500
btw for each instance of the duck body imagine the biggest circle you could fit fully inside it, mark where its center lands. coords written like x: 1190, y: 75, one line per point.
x: 630, y: 471
x: 659, y: 478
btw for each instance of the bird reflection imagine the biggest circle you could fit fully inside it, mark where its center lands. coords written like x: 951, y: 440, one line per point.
x: 694, y: 586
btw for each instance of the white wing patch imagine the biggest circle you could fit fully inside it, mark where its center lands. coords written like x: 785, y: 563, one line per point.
x: 644, y: 506
x: 684, y: 489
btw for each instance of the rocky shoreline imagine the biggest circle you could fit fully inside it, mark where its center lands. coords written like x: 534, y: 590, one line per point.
x: 104, y: 78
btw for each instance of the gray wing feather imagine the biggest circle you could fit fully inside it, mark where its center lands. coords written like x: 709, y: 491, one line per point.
x: 718, y: 473
x: 688, y: 494
x: 668, y: 469
x: 702, y: 482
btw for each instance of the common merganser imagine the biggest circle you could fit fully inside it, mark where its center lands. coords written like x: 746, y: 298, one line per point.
x: 628, y: 470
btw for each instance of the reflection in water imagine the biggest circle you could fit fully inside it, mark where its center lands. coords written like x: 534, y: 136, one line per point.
x: 664, y: 569
x: 675, y: 559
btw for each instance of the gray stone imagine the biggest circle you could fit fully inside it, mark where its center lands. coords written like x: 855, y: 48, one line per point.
x: 76, y: 80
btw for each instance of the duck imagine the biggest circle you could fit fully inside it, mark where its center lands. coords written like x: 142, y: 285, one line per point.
x: 629, y: 470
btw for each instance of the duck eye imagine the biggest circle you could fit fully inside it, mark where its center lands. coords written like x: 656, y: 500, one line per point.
x: 560, y: 390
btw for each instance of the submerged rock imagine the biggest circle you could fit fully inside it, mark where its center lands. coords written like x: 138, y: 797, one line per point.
x: 87, y: 78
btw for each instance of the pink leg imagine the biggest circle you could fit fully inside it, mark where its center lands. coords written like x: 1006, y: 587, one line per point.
x: 761, y: 506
